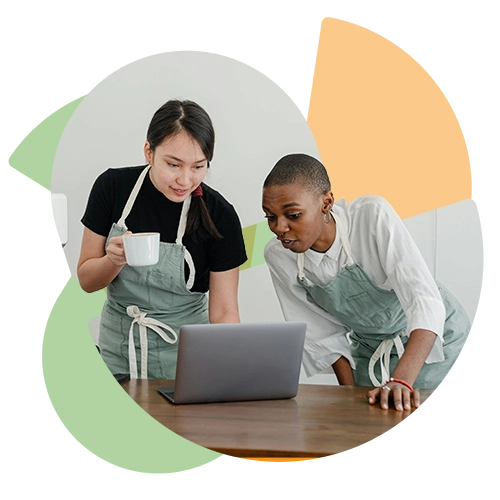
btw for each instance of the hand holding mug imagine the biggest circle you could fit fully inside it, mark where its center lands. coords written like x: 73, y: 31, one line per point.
x: 115, y: 250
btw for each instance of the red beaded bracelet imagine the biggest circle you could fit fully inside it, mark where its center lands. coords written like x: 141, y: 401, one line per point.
x: 402, y: 382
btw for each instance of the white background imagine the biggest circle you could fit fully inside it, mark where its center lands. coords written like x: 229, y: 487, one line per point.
x: 256, y: 123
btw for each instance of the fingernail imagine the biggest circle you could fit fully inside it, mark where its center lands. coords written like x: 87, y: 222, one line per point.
x: 370, y: 400
x: 384, y: 406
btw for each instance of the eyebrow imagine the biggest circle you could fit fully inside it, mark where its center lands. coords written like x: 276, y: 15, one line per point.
x: 285, y: 206
x: 181, y: 161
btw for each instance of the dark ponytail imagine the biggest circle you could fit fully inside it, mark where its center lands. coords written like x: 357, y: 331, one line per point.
x: 199, y: 224
x: 176, y: 116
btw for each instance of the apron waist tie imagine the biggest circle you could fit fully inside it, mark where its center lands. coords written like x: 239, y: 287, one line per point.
x: 383, y: 353
x: 144, y: 323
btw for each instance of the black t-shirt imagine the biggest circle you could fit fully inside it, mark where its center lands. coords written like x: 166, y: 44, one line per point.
x: 154, y: 212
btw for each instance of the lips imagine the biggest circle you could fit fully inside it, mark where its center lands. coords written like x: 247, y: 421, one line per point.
x: 287, y: 243
x: 180, y: 192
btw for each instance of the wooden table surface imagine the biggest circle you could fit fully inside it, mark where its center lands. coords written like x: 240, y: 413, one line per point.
x: 322, y: 420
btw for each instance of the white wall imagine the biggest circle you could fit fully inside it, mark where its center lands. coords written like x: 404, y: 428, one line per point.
x: 255, y: 123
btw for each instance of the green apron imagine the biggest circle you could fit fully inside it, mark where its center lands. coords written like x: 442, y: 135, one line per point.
x: 378, y: 323
x: 146, y: 306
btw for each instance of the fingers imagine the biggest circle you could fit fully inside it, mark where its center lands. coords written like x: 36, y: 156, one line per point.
x: 416, y: 398
x: 402, y: 397
x: 373, y: 395
x: 117, y: 240
x: 399, y: 395
x: 115, y: 251
x: 385, y: 391
x: 409, y: 399
x: 116, y: 258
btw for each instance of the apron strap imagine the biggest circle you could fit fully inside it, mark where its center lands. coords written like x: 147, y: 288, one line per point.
x: 183, y: 220
x: 180, y: 230
x: 132, y: 197
x: 300, y: 266
x: 144, y: 323
x: 383, y: 353
x: 192, y: 271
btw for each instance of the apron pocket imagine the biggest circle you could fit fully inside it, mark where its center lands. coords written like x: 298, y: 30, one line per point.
x: 112, y: 342
x: 157, y: 280
x: 111, y: 320
x: 368, y: 312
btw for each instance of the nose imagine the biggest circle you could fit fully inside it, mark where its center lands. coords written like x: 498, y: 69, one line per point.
x: 183, y: 177
x: 280, y: 226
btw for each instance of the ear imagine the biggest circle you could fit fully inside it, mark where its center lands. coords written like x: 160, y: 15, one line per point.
x: 148, y: 153
x: 327, y: 201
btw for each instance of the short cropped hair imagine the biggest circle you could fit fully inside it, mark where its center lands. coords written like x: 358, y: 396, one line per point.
x: 299, y: 168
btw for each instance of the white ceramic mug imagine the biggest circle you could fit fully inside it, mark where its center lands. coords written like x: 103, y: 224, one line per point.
x: 141, y: 249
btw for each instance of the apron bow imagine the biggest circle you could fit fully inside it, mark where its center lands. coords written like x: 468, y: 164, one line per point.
x: 144, y: 323
x: 383, y: 353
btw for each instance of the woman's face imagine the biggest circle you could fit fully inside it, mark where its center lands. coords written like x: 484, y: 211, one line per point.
x: 178, y: 166
x: 296, y: 216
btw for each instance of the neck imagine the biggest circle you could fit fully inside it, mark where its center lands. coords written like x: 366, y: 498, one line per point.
x: 325, y: 241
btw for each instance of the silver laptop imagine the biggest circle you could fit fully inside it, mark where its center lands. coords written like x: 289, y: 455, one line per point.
x: 237, y: 362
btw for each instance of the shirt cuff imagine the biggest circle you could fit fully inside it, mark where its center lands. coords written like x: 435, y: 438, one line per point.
x: 437, y: 353
x: 429, y: 314
x: 320, y: 355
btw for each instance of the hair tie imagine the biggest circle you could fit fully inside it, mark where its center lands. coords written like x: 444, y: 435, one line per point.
x: 197, y: 192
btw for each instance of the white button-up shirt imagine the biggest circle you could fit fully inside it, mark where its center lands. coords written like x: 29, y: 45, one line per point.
x: 383, y: 247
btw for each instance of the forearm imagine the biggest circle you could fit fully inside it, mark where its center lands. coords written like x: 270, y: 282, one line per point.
x: 343, y: 371
x: 416, y: 351
x: 97, y: 273
x: 229, y: 317
x: 223, y: 297
x: 226, y: 312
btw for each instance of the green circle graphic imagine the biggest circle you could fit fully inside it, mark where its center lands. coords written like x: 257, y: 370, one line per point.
x: 89, y: 402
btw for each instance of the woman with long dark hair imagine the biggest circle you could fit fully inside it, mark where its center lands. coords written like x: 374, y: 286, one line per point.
x: 201, y: 246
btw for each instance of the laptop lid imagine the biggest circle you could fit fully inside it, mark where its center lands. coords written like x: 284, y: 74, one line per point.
x: 238, y: 362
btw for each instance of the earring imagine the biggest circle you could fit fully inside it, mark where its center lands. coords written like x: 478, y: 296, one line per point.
x: 327, y: 217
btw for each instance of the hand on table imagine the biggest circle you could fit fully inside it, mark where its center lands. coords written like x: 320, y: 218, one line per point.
x: 403, y: 398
